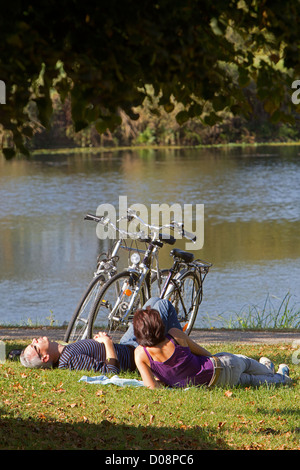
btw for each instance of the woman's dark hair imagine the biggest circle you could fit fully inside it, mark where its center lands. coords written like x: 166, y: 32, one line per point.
x: 148, y: 327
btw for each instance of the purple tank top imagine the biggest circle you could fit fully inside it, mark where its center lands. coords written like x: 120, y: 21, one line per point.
x: 183, y: 368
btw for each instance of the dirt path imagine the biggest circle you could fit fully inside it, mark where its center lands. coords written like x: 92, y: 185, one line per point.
x: 246, y: 337
x: 200, y: 336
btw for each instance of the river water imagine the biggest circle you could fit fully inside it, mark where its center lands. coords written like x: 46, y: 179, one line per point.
x: 251, y: 201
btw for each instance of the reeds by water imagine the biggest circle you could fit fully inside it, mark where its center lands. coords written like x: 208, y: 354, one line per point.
x: 283, y: 315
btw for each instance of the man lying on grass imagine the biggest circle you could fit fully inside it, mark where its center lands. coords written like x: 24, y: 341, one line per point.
x: 99, y: 354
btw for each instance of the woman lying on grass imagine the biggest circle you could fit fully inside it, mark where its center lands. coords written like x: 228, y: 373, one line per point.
x: 177, y: 361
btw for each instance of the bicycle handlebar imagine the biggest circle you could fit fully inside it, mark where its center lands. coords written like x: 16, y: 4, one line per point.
x: 106, y: 221
x: 173, y: 225
x: 131, y: 214
x: 185, y: 233
x: 95, y: 218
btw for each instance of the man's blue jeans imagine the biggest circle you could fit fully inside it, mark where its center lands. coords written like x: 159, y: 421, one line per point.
x: 167, y: 313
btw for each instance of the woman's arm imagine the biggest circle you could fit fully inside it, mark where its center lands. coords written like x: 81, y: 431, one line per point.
x: 141, y: 360
x: 184, y: 340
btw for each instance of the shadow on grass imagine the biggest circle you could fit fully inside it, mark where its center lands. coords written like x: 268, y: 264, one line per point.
x: 35, y: 434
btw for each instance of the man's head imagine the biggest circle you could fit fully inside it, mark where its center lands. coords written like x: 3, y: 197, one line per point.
x: 41, y: 353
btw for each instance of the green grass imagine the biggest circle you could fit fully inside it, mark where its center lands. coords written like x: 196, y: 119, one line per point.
x: 50, y: 409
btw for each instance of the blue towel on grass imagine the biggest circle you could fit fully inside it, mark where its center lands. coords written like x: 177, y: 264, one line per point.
x: 115, y: 380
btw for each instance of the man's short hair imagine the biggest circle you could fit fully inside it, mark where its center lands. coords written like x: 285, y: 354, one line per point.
x: 33, y: 361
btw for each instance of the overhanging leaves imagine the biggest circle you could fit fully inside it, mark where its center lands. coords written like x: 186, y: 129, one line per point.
x: 192, y: 53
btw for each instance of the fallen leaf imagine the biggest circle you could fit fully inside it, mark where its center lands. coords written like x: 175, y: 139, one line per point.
x: 58, y: 390
x: 18, y: 386
x: 221, y: 424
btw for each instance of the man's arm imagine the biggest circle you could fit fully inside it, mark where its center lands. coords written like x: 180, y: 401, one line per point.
x: 104, y: 338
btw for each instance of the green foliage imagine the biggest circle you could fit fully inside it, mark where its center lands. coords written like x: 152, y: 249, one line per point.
x: 146, y: 137
x: 161, y: 128
x: 104, y: 55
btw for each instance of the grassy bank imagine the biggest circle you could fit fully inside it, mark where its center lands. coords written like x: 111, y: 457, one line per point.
x: 285, y: 315
x: 50, y: 409
x: 91, y: 150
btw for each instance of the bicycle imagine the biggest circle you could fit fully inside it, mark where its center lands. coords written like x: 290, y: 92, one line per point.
x: 183, y: 286
x: 106, y: 268
x: 128, y: 290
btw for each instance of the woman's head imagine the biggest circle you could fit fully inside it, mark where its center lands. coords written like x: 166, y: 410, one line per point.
x: 148, y: 327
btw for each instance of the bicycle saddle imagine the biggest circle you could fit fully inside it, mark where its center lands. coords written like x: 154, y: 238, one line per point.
x: 184, y: 255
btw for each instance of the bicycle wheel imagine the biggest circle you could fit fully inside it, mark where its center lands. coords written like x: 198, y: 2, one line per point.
x: 78, y: 325
x: 113, y: 302
x: 185, y: 293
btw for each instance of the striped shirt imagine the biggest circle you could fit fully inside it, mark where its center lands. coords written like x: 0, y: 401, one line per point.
x: 89, y: 354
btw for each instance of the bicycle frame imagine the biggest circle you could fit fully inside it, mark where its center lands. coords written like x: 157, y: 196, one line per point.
x: 178, y: 272
x: 143, y: 275
x: 108, y: 265
x: 145, y: 266
x: 172, y: 271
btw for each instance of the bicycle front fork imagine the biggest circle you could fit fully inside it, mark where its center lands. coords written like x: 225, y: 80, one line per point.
x: 133, y: 294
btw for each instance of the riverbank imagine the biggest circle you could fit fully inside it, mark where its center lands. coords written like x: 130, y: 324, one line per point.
x: 204, y: 336
x: 92, y: 150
